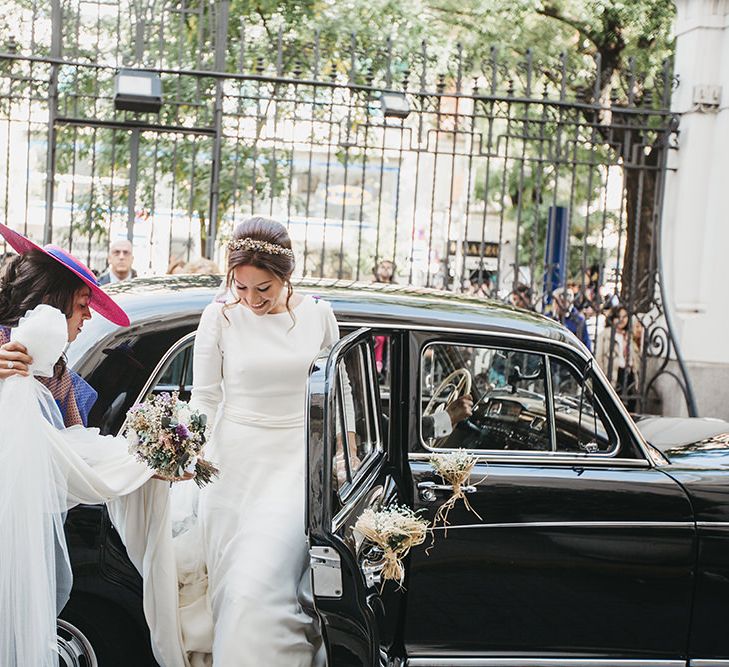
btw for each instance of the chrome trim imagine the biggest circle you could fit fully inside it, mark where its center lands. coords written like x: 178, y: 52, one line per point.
x: 708, y: 662
x: 713, y: 524
x: 541, y: 662
x: 586, y: 356
x: 460, y: 330
x: 577, y: 460
x: 361, y: 487
x: 151, y: 381
x: 573, y: 524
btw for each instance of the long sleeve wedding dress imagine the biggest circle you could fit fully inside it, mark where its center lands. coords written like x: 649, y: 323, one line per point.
x: 251, y: 371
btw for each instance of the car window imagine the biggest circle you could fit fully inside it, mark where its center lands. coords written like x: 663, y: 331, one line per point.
x: 124, y: 368
x: 176, y: 374
x: 508, y: 393
x: 580, y: 424
x: 521, y: 402
x: 357, y: 427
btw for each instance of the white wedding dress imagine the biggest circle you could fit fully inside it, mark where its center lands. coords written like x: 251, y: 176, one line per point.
x: 250, y: 375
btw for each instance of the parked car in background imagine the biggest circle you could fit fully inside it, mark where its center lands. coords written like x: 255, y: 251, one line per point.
x: 593, y: 547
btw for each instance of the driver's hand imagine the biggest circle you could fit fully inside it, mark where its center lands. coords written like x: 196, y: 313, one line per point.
x: 460, y: 409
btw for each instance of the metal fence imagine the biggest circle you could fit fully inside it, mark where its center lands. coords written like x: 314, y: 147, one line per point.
x: 525, y: 176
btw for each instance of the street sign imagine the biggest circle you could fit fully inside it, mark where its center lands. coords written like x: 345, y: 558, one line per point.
x: 475, y: 248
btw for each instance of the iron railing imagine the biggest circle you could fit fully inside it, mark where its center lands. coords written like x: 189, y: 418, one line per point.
x: 523, y: 175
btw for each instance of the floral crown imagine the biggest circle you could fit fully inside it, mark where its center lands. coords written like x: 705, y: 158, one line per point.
x: 256, y: 245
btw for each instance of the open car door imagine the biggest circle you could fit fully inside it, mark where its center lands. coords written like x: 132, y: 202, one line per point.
x: 349, y: 471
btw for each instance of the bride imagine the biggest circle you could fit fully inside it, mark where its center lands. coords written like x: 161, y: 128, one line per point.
x: 252, y: 355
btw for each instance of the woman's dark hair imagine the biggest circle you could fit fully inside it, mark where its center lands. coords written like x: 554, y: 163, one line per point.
x: 270, y: 231
x: 614, y: 315
x: 31, y: 279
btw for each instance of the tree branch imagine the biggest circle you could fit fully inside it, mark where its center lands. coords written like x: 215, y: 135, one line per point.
x: 551, y: 11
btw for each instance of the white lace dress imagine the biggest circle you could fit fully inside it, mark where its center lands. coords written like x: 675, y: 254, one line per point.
x: 251, y: 372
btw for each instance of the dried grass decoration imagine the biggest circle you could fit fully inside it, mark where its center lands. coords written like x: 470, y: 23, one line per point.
x: 395, y: 530
x: 454, y: 468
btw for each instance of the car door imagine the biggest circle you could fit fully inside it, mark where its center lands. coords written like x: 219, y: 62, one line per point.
x: 359, y: 612
x: 582, y: 549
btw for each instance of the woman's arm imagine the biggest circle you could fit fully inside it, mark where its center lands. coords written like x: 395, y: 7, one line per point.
x: 207, y: 364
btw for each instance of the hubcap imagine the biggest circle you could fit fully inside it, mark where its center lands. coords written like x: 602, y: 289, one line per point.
x: 73, y: 648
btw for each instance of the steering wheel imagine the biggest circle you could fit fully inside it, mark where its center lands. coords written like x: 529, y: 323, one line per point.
x: 457, y: 389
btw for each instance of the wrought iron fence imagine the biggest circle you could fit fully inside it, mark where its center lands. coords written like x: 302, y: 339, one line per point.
x: 498, y: 173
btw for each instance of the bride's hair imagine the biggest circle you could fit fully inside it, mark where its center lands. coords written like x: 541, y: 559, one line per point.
x: 33, y: 278
x: 268, y: 231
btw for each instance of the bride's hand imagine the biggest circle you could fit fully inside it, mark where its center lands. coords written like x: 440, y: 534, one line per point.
x: 14, y: 360
x: 185, y: 477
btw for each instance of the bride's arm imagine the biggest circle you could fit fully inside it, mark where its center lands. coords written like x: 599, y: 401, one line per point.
x: 207, y: 365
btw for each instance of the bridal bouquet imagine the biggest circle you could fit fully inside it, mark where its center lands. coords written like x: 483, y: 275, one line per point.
x: 167, y: 435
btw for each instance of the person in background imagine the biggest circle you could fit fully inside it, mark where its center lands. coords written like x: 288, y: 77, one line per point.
x: 384, y: 272
x: 618, y: 352
x: 521, y: 297
x: 200, y: 266
x: 121, y: 257
x: 480, y: 282
x: 564, y: 311
x: 176, y: 265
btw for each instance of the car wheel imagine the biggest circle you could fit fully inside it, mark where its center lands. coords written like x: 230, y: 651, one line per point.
x: 74, y: 649
x: 116, y: 641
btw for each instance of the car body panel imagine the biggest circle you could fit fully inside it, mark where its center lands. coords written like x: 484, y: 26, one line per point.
x: 575, y: 558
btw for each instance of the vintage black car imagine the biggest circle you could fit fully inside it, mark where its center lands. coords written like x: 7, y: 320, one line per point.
x: 593, y: 548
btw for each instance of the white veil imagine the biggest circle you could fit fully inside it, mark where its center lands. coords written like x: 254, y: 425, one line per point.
x: 32, y: 503
x: 44, y: 470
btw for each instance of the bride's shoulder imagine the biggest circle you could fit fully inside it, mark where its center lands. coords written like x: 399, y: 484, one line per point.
x: 321, y: 304
x: 213, y: 315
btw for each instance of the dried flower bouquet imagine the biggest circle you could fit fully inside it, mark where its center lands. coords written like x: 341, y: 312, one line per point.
x: 453, y: 468
x: 167, y: 435
x: 395, y: 530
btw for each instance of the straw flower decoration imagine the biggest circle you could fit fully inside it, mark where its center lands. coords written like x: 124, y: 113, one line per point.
x: 395, y: 530
x: 453, y: 468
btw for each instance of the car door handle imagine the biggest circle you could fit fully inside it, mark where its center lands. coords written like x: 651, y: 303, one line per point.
x: 432, y: 486
x: 428, y: 489
x: 372, y: 565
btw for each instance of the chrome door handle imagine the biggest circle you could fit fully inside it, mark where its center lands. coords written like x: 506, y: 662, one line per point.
x: 373, y: 572
x: 432, y: 486
x: 428, y: 489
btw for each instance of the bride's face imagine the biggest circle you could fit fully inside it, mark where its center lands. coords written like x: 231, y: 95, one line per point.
x: 260, y: 290
x: 79, y: 313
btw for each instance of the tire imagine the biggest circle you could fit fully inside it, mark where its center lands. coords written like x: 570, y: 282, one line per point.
x: 74, y: 649
x: 114, y: 639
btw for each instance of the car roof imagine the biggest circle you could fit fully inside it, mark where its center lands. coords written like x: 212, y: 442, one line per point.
x: 183, y: 297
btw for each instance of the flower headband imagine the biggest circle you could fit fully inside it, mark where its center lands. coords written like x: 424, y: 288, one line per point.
x: 248, y: 243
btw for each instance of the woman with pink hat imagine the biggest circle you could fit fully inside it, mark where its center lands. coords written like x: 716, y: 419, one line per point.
x: 49, y: 275
x: 49, y: 462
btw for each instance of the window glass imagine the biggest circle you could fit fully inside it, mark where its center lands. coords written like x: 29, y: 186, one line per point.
x: 357, y: 433
x: 177, y: 374
x: 579, y: 422
x: 383, y: 365
x: 507, y: 392
x: 123, y: 368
